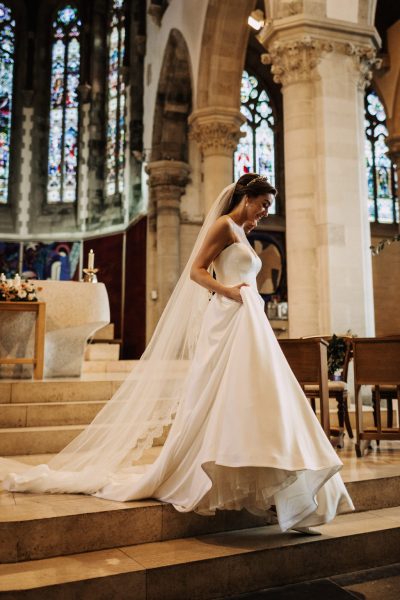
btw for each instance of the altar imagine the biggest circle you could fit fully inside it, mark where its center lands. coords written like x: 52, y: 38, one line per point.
x: 74, y: 312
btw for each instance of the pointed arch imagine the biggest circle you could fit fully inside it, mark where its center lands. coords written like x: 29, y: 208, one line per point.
x: 173, y: 102
x: 224, y: 44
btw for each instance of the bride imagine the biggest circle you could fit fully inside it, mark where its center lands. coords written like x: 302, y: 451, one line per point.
x: 243, y: 434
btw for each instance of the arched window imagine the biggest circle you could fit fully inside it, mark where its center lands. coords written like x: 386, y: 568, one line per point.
x: 382, y: 201
x: 64, y: 107
x: 115, y: 154
x: 7, y: 49
x: 256, y: 149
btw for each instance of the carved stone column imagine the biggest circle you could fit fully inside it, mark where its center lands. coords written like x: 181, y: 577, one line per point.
x: 323, y: 73
x: 167, y: 182
x: 217, y: 131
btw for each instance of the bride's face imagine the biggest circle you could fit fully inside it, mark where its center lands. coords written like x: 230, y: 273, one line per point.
x: 257, y: 208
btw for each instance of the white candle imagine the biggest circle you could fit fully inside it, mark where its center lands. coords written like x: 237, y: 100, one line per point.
x: 91, y: 260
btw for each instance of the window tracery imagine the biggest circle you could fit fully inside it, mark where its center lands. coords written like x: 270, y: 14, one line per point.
x: 382, y: 201
x: 256, y: 149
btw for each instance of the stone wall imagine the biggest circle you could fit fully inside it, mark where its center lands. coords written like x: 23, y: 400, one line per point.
x: 386, y: 275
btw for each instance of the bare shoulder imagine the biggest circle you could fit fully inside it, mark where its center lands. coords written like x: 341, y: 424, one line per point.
x: 222, y: 228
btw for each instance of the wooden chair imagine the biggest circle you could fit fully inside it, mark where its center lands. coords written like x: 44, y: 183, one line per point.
x: 336, y: 389
x: 377, y: 363
x: 308, y: 360
x: 388, y: 393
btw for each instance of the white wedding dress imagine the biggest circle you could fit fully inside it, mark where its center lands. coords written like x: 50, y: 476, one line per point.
x: 244, y: 434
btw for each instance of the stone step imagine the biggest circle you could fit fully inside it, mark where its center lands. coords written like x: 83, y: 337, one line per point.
x: 102, y: 351
x: 210, y: 566
x: 108, y: 366
x: 37, y: 440
x: 39, y: 414
x: 66, y: 390
x: 36, y: 526
x: 49, y: 413
x: 47, y: 439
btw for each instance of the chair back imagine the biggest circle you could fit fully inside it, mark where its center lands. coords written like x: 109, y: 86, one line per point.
x: 376, y: 361
x: 307, y: 358
x: 308, y: 361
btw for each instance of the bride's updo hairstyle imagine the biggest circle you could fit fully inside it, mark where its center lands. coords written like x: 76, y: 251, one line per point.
x: 251, y: 185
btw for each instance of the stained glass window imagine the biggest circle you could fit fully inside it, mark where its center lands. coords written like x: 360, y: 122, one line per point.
x: 256, y: 149
x: 382, y: 202
x: 64, y: 107
x: 115, y: 153
x: 7, y: 48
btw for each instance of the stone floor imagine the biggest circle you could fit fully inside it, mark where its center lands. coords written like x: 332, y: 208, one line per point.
x: 382, y: 583
x: 74, y: 546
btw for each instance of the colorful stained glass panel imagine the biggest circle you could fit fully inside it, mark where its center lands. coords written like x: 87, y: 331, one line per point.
x: 115, y: 152
x: 64, y: 108
x: 256, y: 149
x: 7, y: 49
x: 382, y: 188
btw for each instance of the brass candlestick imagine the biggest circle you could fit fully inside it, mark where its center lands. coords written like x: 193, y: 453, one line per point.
x: 90, y: 275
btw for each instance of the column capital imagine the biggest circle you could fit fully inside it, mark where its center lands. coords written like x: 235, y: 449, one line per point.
x: 167, y: 182
x: 167, y: 172
x: 216, y: 129
x: 295, y: 60
x: 365, y: 61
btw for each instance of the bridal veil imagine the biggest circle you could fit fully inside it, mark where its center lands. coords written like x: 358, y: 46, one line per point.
x: 145, y: 402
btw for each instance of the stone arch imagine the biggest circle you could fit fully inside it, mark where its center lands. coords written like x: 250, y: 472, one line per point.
x: 168, y: 171
x: 224, y: 44
x: 173, y: 102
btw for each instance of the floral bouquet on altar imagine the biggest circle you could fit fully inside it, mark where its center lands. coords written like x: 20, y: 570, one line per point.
x: 17, y: 290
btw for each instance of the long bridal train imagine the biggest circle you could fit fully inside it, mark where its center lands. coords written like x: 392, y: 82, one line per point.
x: 244, y: 434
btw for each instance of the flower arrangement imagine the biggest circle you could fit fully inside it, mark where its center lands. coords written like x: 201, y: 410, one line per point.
x: 17, y: 290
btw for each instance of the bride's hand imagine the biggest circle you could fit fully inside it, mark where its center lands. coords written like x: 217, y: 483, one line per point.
x: 234, y: 292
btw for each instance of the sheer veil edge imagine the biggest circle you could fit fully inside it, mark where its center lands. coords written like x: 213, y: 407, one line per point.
x: 144, y: 404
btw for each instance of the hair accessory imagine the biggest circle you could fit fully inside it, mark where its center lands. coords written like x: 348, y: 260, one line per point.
x: 260, y: 179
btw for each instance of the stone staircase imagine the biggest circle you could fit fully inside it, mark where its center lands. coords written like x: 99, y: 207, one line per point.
x: 41, y: 417
x: 73, y: 546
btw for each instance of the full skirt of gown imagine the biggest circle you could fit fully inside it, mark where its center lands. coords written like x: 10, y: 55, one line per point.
x: 245, y: 436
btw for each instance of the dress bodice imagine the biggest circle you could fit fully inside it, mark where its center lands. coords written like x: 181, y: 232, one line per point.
x: 238, y: 262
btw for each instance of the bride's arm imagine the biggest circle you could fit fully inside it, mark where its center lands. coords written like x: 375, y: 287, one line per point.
x: 219, y: 237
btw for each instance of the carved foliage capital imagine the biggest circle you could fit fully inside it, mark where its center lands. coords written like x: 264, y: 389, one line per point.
x: 365, y: 60
x: 216, y: 133
x: 296, y: 60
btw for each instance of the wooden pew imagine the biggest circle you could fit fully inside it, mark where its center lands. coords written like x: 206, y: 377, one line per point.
x: 376, y: 363
x: 308, y: 360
